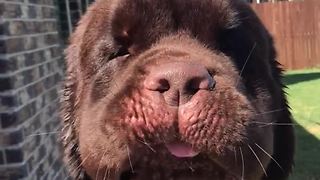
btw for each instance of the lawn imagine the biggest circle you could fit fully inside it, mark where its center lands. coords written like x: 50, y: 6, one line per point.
x: 304, y: 99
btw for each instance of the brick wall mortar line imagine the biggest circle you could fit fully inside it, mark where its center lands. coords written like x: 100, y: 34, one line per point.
x: 35, y: 150
x: 5, y: 75
x: 12, y: 165
x: 39, y: 163
x: 18, y: 127
x: 14, y: 92
x: 7, y: 56
x: 58, y: 173
x: 16, y: 109
x: 29, y: 4
x: 4, y: 159
x: 27, y: 140
x: 22, y: 106
x: 3, y: 36
x: 29, y: 19
x: 30, y: 35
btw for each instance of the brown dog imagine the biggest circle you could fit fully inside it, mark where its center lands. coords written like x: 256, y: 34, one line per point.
x: 174, y: 89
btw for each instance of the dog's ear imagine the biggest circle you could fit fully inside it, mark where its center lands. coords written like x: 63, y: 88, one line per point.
x: 284, y: 138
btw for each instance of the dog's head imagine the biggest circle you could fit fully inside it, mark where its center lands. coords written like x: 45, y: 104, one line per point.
x: 160, y: 89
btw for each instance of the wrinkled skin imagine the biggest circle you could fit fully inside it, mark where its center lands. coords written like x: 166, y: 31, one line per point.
x: 209, y: 119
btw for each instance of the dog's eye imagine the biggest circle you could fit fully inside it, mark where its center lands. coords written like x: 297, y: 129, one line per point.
x: 122, y: 51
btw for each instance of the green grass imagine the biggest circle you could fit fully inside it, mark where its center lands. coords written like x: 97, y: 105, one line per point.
x: 304, y: 99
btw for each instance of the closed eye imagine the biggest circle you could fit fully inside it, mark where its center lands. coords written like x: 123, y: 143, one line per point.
x: 122, y: 51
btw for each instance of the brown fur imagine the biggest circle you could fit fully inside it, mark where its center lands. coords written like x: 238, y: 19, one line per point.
x: 116, y: 129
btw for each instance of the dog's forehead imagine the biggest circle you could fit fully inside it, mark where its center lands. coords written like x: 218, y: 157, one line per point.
x: 180, y: 12
x: 157, y: 17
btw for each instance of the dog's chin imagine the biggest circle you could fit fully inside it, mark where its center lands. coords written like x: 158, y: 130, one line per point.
x: 187, y: 174
x: 176, y: 161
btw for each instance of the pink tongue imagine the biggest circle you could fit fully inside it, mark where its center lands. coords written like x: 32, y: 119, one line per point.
x: 180, y: 149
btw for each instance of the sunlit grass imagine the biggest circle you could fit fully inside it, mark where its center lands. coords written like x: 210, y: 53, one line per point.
x: 304, y: 99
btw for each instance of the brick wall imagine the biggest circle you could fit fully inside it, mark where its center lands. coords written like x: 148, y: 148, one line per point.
x: 31, y: 68
x: 75, y: 13
x: 76, y: 8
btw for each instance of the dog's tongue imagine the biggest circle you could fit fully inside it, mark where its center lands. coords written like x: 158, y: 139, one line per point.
x: 181, y: 150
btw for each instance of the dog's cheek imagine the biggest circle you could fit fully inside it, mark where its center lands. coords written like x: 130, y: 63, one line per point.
x: 104, y: 83
x: 101, y: 145
x: 261, y: 136
x: 259, y: 145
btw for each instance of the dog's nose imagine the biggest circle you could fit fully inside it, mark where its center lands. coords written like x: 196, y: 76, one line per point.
x: 179, y: 81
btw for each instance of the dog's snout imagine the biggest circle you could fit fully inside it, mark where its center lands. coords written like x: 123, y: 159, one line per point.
x: 179, y: 81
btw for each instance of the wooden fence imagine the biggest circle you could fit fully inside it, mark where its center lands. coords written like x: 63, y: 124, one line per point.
x: 295, y: 27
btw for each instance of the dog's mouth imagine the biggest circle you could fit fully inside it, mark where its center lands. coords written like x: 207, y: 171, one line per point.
x: 181, y: 160
x: 177, y: 150
x: 187, y: 157
x: 182, y: 149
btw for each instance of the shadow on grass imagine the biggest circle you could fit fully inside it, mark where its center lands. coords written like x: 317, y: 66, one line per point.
x: 307, y: 157
x: 296, y: 78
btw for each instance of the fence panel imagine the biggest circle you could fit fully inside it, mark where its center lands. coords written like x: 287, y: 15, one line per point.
x: 295, y: 27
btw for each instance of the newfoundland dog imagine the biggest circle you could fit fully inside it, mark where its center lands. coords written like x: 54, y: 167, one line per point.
x: 174, y: 90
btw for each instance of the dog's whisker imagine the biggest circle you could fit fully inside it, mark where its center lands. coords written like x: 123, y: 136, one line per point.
x: 131, y: 166
x: 246, y: 62
x: 100, y: 162
x: 269, y: 156
x: 190, y: 166
x: 272, y: 111
x: 242, y: 161
x: 235, y: 155
x: 78, y: 167
x: 71, y: 172
x: 43, y: 133
x: 106, y: 174
x: 264, y: 124
x: 148, y: 145
x: 83, y: 161
x: 258, y: 159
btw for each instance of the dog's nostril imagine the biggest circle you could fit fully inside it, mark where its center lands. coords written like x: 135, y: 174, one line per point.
x: 211, y: 84
x: 197, y: 83
x: 161, y: 85
x: 178, y: 81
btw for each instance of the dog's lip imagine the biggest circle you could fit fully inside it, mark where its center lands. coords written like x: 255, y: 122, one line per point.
x: 181, y: 149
